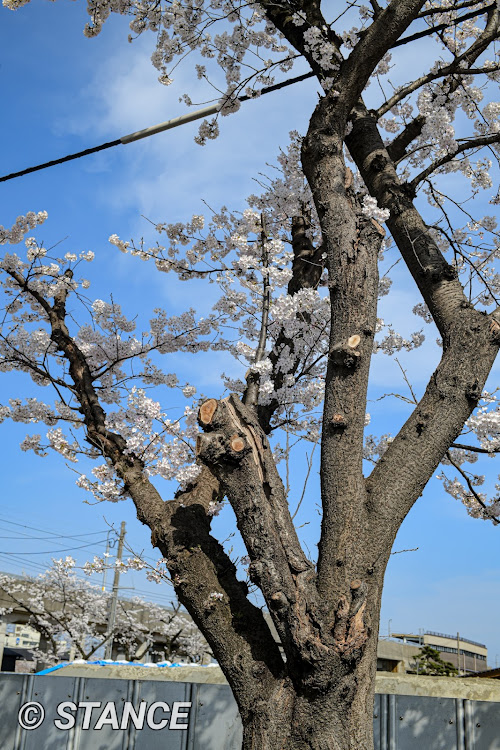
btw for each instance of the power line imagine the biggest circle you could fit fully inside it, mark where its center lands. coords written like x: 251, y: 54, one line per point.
x: 45, y: 531
x: 154, y: 129
x: 28, y: 563
x: 213, y: 109
x: 49, y: 538
x: 52, y: 551
x: 162, y: 599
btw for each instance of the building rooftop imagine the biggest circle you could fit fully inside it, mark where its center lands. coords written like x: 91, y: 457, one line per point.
x: 439, y: 635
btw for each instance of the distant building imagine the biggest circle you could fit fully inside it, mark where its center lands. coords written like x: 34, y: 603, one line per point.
x: 17, y: 660
x: 467, y: 656
x: 395, y: 656
x: 21, y: 636
x: 490, y: 674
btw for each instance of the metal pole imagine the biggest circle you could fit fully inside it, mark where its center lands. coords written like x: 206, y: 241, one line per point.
x: 458, y: 652
x: 105, y: 565
x: 114, y: 597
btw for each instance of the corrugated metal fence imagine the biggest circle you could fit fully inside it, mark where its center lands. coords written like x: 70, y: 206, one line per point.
x: 414, y: 722
x: 402, y: 722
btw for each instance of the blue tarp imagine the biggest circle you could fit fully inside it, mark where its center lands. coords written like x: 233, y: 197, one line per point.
x: 106, y: 663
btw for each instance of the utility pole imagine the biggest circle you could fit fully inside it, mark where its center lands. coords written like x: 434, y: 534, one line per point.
x: 114, y: 596
x: 106, y: 554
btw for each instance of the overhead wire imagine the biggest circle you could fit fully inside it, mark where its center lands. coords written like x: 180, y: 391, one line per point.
x: 53, y: 551
x: 32, y: 568
x: 46, y: 531
x: 154, y: 129
x: 215, y: 108
x: 51, y: 538
x: 22, y: 536
x: 26, y: 563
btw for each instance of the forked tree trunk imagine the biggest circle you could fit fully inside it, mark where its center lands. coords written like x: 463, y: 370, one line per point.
x: 339, y: 718
x: 321, y: 696
x: 322, y: 725
x: 329, y: 707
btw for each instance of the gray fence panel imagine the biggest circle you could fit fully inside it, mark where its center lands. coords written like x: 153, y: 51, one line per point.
x: 484, y: 718
x: 49, y: 695
x: 401, y: 722
x: 11, y: 690
x: 106, y: 737
x: 377, y: 723
x: 167, y: 739
x: 217, y: 724
x: 429, y: 723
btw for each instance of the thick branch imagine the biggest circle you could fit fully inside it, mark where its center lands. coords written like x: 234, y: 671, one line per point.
x: 380, y: 36
x: 451, y: 395
x: 435, y: 278
x: 397, y: 148
x: 281, y: 15
x: 199, y: 567
x: 237, y: 452
x: 351, y: 243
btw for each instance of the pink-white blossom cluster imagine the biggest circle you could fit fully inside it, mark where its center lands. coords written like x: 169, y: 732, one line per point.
x: 72, y: 617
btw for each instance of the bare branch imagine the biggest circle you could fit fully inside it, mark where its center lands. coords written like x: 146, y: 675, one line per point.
x: 475, y: 448
x: 462, y: 148
x: 444, y: 26
x: 397, y: 148
x: 436, y: 280
x: 470, y: 486
x: 403, y: 372
x: 309, y: 467
x: 251, y: 395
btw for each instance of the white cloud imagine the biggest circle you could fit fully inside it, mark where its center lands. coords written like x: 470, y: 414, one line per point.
x: 165, y: 176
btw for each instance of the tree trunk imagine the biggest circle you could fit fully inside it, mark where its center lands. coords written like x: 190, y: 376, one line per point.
x: 340, y: 718
x: 329, y: 705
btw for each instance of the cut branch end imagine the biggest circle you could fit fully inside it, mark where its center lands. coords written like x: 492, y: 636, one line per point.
x: 353, y: 341
x: 207, y: 411
x: 237, y: 443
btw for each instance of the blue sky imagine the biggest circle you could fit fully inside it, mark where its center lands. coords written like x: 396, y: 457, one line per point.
x: 62, y: 93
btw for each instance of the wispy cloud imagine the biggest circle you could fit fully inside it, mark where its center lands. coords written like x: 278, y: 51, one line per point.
x: 167, y: 175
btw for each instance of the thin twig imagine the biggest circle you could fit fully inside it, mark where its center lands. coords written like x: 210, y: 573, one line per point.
x: 251, y: 395
x: 309, y: 467
x: 473, y: 492
x: 415, y: 401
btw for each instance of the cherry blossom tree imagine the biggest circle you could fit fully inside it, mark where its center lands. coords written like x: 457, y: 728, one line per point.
x: 71, y: 616
x: 298, y: 273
